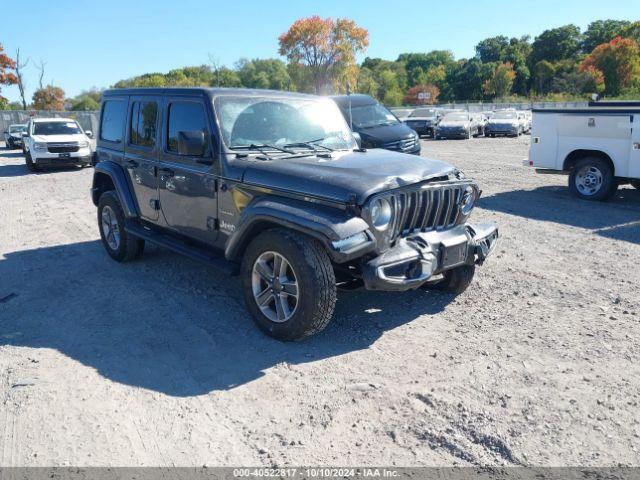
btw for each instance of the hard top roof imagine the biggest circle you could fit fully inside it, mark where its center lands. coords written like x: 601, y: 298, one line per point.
x: 204, y: 91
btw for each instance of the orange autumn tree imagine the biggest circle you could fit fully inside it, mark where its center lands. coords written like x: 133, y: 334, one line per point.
x: 6, y: 77
x: 422, y: 95
x: 48, y: 98
x: 619, y: 62
x: 326, y: 48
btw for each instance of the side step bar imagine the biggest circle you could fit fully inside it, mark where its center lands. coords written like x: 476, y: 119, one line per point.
x: 195, y: 253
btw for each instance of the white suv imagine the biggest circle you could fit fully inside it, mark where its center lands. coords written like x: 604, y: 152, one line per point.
x: 56, y: 141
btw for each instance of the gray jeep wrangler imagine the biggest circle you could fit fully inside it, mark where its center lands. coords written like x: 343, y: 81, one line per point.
x: 274, y: 187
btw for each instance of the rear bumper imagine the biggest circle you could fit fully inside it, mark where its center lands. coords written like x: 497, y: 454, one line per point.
x: 417, y: 258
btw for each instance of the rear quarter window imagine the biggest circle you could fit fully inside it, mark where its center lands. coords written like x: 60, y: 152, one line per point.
x: 113, y: 119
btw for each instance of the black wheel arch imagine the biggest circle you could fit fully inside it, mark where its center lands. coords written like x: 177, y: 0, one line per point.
x: 325, y: 224
x: 577, y: 155
x: 107, y: 176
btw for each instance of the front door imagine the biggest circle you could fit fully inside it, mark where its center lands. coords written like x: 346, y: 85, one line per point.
x: 634, y: 156
x: 141, y: 153
x: 187, y: 183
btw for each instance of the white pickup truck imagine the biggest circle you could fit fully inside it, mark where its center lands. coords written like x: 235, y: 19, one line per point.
x: 598, y: 147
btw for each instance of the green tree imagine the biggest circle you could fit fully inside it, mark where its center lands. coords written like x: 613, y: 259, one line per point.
x: 632, y: 31
x: 492, y: 49
x: 264, y: 73
x: 467, y: 80
x: 602, y: 31
x: 85, y: 104
x: 556, y: 44
x: 367, y: 83
x: 501, y: 82
x: 544, y: 73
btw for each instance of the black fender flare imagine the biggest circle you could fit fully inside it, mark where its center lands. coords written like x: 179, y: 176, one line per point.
x: 323, y: 223
x: 119, y: 179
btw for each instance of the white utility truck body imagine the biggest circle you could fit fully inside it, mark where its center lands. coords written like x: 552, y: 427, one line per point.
x: 564, y: 139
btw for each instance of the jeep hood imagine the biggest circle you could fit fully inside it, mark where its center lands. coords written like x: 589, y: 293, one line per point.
x: 346, y: 175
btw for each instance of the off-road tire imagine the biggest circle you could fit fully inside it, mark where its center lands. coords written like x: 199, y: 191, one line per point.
x: 456, y: 280
x: 315, y: 277
x: 609, y: 183
x: 130, y: 247
x: 31, y: 166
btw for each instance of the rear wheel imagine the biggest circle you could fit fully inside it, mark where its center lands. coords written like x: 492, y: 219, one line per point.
x: 120, y: 245
x: 592, y: 179
x: 289, y: 284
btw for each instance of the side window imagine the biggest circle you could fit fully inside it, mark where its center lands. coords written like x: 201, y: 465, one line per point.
x: 185, y: 117
x: 143, y: 123
x: 112, y: 123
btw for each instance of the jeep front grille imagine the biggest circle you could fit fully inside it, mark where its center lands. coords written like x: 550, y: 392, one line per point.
x: 429, y: 208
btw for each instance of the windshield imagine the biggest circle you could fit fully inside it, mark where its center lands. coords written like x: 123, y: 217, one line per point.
x: 504, y: 116
x: 373, y: 115
x: 424, y: 112
x: 456, y: 117
x: 247, y: 121
x: 56, y: 128
x: 17, y: 128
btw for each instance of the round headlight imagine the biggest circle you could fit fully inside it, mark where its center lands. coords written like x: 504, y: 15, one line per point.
x: 468, y: 200
x: 381, y: 213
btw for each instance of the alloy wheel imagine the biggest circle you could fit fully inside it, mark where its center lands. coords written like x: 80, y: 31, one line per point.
x: 275, y: 286
x: 110, y: 228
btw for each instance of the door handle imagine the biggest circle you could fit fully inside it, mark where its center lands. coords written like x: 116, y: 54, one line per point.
x: 132, y: 164
x: 166, y: 172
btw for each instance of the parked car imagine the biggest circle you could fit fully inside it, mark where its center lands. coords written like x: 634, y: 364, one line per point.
x: 376, y: 125
x: 272, y: 186
x: 598, y: 147
x: 527, y: 120
x: 401, y: 113
x: 13, y: 136
x: 505, y: 123
x: 424, y: 120
x: 459, y: 124
x: 56, y: 142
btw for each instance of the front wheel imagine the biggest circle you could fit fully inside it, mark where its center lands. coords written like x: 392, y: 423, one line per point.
x: 31, y: 165
x: 592, y: 179
x: 120, y: 245
x: 289, y: 284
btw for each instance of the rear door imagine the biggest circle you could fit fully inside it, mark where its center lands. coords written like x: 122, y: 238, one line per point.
x: 634, y: 157
x: 187, y: 184
x: 141, y: 152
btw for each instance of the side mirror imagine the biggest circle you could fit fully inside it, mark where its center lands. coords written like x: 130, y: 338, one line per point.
x: 88, y: 133
x: 358, y: 139
x: 191, y: 143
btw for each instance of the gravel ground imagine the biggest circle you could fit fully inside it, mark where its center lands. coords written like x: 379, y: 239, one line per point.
x: 158, y: 363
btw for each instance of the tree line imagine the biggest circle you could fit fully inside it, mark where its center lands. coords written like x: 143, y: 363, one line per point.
x: 562, y: 63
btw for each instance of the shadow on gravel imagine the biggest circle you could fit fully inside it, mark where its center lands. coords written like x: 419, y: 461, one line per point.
x: 168, y: 324
x: 619, y: 218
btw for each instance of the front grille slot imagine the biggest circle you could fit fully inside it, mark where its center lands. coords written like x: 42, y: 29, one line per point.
x: 404, y: 145
x: 63, y: 147
x: 430, y: 208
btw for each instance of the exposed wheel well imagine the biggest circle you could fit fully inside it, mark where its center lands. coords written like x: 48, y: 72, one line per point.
x: 577, y: 155
x: 101, y: 183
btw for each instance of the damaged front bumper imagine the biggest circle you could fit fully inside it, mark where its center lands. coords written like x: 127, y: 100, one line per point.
x: 420, y: 256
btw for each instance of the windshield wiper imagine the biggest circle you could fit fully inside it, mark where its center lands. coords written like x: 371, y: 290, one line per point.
x: 262, y: 148
x: 310, y: 144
